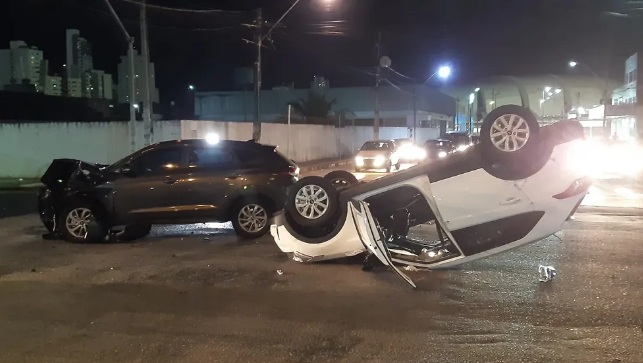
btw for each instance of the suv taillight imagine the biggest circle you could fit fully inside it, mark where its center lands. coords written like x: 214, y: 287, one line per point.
x: 579, y: 186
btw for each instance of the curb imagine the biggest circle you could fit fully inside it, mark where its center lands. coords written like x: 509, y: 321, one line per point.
x: 327, y: 165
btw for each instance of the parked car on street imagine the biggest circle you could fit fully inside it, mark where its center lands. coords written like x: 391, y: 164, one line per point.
x: 409, y: 152
x: 518, y: 186
x: 377, y: 154
x: 172, y: 182
x: 461, y: 139
x: 436, y: 149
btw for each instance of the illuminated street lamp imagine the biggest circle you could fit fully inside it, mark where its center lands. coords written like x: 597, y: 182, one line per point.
x: 191, y: 87
x: 444, y: 72
x: 573, y: 63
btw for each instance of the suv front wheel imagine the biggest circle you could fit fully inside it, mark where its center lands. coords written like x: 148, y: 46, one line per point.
x: 251, y: 219
x: 78, y: 223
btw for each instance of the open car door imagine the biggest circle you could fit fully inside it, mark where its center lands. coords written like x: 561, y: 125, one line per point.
x: 371, y: 236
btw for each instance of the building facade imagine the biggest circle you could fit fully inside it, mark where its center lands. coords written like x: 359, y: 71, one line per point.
x: 53, y: 86
x: 408, y: 106
x: 22, y: 64
x: 139, y: 81
x: 550, y: 97
x: 626, y: 111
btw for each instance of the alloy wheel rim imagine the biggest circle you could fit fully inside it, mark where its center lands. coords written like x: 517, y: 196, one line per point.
x: 311, y: 201
x: 252, y: 218
x: 509, y: 133
x: 77, y: 221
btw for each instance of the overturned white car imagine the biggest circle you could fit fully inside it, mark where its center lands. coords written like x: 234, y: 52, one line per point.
x: 518, y: 186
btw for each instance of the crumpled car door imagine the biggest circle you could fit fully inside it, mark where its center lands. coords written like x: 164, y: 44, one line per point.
x: 372, y: 238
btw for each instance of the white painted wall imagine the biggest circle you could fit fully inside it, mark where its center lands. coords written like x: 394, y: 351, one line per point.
x: 27, y: 149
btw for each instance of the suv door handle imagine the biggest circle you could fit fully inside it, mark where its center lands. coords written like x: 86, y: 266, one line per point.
x: 169, y: 180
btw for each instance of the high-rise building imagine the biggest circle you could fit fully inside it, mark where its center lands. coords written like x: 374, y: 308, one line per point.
x: 139, y: 83
x: 22, y: 64
x: 79, y: 54
x: 81, y: 79
x: 53, y: 86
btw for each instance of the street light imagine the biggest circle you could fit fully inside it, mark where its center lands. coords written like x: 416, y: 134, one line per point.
x: 573, y: 63
x: 558, y: 90
x: 444, y: 72
x: 477, y: 89
x: 191, y: 87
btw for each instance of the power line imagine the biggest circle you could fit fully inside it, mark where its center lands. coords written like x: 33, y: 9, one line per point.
x: 184, y: 10
x: 137, y: 21
x: 400, y: 74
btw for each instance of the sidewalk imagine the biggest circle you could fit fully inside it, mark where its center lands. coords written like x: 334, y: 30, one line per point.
x: 13, y: 184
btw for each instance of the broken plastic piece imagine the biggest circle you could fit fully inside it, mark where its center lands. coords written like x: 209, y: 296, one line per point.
x: 279, y: 272
x: 547, y: 273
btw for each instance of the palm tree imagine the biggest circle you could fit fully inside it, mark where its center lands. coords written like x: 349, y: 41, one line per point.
x: 315, y: 105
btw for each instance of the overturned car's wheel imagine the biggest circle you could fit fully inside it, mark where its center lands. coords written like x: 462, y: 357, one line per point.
x: 341, y: 178
x: 79, y: 224
x: 312, y: 202
x: 134, y: 232
x: 509, y: 133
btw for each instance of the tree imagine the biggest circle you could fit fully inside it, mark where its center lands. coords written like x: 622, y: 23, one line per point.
x: 315, y: 105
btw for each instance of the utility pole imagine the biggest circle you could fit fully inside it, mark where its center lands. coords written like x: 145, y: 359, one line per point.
x: 148, y: 128
x: 256, y: 126
x: 132, y: 86
x: 415, y: 112
x: 376, y: 119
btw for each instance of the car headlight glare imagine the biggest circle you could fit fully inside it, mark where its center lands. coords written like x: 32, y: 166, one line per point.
x: 359, y: 161
x: 379, y: 160
x: 442, y: 154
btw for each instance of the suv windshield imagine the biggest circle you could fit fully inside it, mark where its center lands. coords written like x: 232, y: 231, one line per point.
x: 376, y: 145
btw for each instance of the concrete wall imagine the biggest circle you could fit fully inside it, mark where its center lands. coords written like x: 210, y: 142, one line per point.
x: 27, y: 148
x: 307, y: 142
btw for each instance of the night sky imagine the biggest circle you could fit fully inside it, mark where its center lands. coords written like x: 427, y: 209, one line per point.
x: 477, y: 37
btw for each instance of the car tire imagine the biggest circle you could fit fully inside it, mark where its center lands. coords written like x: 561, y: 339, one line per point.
x: 509, y: 133
x: 341, y: 179
x: 358, y: 170
x: 398, y: 166
x: 389, y: 166
x: 80, y: 222
x: 134, y: 232
x: 312, y: 202
x: 251, y: 218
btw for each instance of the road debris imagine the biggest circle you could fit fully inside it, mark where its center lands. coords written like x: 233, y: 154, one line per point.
x: 279, y: 272
x: 547, y: 273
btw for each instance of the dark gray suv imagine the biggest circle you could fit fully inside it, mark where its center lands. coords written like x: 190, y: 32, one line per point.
x: 172, y: 182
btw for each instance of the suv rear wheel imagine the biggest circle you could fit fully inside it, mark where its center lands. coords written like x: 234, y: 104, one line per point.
x: 250, y: 218
x: 78, y: 223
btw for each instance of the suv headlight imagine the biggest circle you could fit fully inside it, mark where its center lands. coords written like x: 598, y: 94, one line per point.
x: 379, y: 160
x: 359, y: 161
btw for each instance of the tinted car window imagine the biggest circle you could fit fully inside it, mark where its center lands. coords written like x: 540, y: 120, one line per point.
x: 155, y: 161
x: 211, y: 157
x: 262, y: 157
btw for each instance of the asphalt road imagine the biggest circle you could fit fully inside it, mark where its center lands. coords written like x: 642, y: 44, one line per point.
x: 197, y: 294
